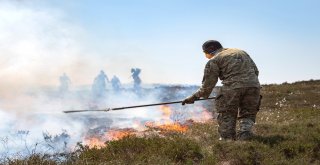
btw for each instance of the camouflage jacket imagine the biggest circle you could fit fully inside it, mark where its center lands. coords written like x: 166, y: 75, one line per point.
x: 233, y: 67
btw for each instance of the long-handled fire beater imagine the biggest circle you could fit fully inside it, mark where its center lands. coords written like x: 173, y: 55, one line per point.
x: 136, y: 106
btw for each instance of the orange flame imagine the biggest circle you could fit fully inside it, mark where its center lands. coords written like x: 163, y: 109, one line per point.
x: 174, y: 127
x: 166, y: 124
x: 94, y: 142
x: 118, y: 134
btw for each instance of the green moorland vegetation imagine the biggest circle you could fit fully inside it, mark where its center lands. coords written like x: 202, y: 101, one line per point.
x: 287, y: 132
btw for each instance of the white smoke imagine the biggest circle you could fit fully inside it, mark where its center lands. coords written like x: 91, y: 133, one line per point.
x: 36, y: 46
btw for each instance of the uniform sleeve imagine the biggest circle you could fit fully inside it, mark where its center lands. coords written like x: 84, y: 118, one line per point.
x: 255, y: 68
x: 210, y: 79
x: 256, y: 71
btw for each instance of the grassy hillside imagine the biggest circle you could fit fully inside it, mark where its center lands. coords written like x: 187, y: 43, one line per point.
x: 287, y: 129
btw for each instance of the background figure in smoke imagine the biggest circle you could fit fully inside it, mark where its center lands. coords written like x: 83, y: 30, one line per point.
x: 99, y: 85
x: 64, y: 83
x: 136, y: 79
x: 116, y: 84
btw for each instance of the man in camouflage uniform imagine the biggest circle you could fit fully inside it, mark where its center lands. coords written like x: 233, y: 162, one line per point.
x: 239, y: 97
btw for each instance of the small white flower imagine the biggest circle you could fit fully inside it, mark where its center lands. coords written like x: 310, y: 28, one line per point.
x: 284, y: 99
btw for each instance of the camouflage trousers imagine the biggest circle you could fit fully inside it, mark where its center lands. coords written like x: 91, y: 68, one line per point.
x: 232, y: 104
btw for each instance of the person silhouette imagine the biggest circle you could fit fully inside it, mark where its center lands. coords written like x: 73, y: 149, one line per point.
x: 64, y: 83
x: 116, y: 84
x: 136, y: 79
x: 99, y: 84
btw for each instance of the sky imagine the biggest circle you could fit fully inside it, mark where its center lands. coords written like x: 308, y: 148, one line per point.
x: 41, y: 40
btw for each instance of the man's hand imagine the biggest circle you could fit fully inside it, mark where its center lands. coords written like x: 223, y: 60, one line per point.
x: 190, y: 100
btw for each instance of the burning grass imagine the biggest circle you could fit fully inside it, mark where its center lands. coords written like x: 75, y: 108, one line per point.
x: 136, y: 150
x: 165, y: 125
x: 99, y: 141
x: 286, y: 134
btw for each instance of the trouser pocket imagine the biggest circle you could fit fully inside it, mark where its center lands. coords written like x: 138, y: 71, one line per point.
x: 219, y: 104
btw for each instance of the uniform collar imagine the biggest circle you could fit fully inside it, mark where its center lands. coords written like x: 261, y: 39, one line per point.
x: 216, y: 51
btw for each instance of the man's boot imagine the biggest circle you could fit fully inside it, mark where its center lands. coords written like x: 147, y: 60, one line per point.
x: 245, y: 132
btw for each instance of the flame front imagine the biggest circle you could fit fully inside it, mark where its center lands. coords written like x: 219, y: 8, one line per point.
x: 114, y: 134
x: 118, y: 134
x: 167, y: 124
x: 94, y: 142
x: 163, y: 125
x: 173, y: 127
